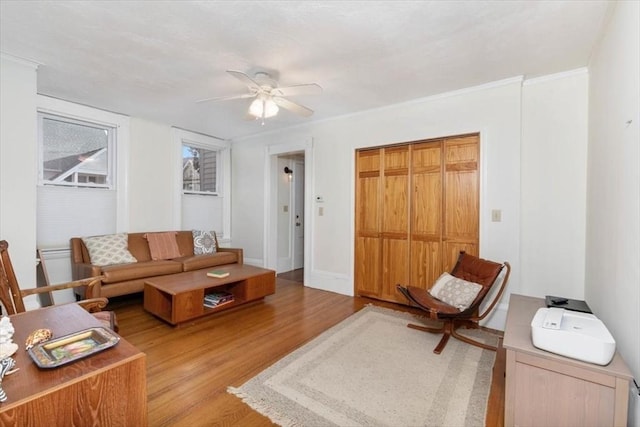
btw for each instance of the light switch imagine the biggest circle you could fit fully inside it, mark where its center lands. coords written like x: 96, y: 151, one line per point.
x: 321, y: 211
x: 285, y: 208
x: 496, y: 215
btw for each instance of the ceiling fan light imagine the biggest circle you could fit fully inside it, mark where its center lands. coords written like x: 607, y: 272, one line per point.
x: 263, y: 108
x: 270, y: 108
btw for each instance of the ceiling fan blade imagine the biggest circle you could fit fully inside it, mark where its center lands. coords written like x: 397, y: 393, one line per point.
x: 304, y: 89
x: 292, y: 106
x: 245, y: 79
x: 226, y: 98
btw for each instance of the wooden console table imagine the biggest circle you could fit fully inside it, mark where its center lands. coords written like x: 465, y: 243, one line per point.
x: 546, y: 389
x: 107, y: 388
x: 178, y: 298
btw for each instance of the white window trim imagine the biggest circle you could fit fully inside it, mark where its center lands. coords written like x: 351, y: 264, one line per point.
x: 58, y: 107
x: 111, y: 143
x: 180, y: 137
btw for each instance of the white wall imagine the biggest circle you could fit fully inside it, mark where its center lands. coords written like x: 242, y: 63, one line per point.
x: 247, y: 202
x: 613, y: 199
x: 492, y: 110
x: 18, y: 167
x: 554, y: 184
x: 151, y: 177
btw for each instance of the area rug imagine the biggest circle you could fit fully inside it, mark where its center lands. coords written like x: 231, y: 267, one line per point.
x: 371, y: 370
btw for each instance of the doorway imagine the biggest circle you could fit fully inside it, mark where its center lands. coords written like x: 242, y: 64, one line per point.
x: 278, y: 250
x: 290, y: 196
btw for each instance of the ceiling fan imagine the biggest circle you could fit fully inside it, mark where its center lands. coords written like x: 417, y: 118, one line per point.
x: 269, y: 96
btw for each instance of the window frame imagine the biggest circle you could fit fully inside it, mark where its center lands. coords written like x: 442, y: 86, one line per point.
x: 179, y: 136
x: 112, y: 137
x: 219, y: 166
x: 121, y: 124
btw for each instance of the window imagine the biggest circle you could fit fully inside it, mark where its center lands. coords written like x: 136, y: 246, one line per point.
x: 74, y: 152
x: 199, y: 169
x: 82, y: 166
x: 202, y: 182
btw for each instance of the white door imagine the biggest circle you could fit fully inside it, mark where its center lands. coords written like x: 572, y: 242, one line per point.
x: 298, y: 217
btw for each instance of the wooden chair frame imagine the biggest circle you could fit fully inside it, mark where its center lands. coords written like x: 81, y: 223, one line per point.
x: 451, y: 317
x: 12, y: 297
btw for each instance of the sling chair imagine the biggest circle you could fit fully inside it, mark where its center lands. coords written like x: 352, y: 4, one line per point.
x: 470, y: 269
x: 11, y: 296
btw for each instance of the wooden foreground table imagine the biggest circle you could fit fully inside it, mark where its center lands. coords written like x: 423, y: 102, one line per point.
x: 106, y: 388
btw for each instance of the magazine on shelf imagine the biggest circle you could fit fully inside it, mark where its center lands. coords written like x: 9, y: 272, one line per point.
x: 214, y: 305
x: 217, y: 298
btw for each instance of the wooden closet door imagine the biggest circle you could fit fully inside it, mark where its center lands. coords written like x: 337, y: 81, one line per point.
x: 417, y: 207
x: 395, y: 222
x: 368, y: 217
x: 461, y: 198
x: 426, y: 213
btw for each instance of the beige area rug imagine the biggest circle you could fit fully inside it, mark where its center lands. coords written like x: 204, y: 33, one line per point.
x: 372, y: 370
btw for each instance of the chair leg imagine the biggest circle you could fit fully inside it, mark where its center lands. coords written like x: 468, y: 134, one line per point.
x: 426, y: 328
x: 445, y: 330
x: 472, y: 341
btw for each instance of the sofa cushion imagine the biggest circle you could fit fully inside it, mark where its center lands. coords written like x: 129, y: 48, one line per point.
x: 204, y: 242
x: 197, y: 262
x: 163, y: 245
x: 108, y: 249
x: 139, y: 270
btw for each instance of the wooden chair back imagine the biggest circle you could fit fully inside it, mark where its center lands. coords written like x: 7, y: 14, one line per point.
x: 12, y: 297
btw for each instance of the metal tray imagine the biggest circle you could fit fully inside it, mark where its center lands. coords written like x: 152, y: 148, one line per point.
x: 69, y: 348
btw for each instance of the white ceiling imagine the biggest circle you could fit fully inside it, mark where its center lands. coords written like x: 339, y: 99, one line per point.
x: 153, y: 59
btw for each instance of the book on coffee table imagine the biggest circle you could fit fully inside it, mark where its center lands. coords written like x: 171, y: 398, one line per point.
x: 219, y: 274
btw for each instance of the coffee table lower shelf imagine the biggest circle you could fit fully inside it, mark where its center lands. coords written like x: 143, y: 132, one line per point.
x: 179, y: 298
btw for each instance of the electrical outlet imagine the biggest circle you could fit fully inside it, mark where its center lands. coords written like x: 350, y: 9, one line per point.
x: 496, y: 215
x: 320, y: 211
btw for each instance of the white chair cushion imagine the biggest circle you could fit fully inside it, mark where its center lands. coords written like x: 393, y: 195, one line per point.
x: 456, y: 292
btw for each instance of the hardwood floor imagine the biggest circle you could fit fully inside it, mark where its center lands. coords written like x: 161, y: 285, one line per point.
x: 190, y: 366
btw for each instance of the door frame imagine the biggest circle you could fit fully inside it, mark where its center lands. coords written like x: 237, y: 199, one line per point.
x: 271, y: 171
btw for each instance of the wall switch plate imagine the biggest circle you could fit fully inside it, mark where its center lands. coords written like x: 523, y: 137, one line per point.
x: 496, y: 215
x: 320, y: 211
x: 285, y: 208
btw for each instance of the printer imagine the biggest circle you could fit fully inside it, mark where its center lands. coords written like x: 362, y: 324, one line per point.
x: 573, y: 334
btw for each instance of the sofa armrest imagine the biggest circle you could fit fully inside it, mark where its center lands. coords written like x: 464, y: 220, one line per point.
x: 237, y: 251
x: 82, y: 271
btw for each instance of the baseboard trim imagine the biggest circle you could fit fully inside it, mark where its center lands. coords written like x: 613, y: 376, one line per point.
x: 327, y: 281
x: 256, y: 262
x: 497, y: 319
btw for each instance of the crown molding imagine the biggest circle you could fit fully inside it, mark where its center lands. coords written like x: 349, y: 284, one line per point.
x: 556, y: 76
x: 18, y: 60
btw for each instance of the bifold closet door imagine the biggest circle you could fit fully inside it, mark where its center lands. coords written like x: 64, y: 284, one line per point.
x: 417, y: 207
x: 426, y: 213
x: 461, y: 200
x: 395, y: 221
x: 368, y: 246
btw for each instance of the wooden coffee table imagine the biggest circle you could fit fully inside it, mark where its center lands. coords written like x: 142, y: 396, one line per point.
x: 178, y: 298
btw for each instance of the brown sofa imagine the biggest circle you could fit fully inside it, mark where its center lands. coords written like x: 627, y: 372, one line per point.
x: 122, y: 279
